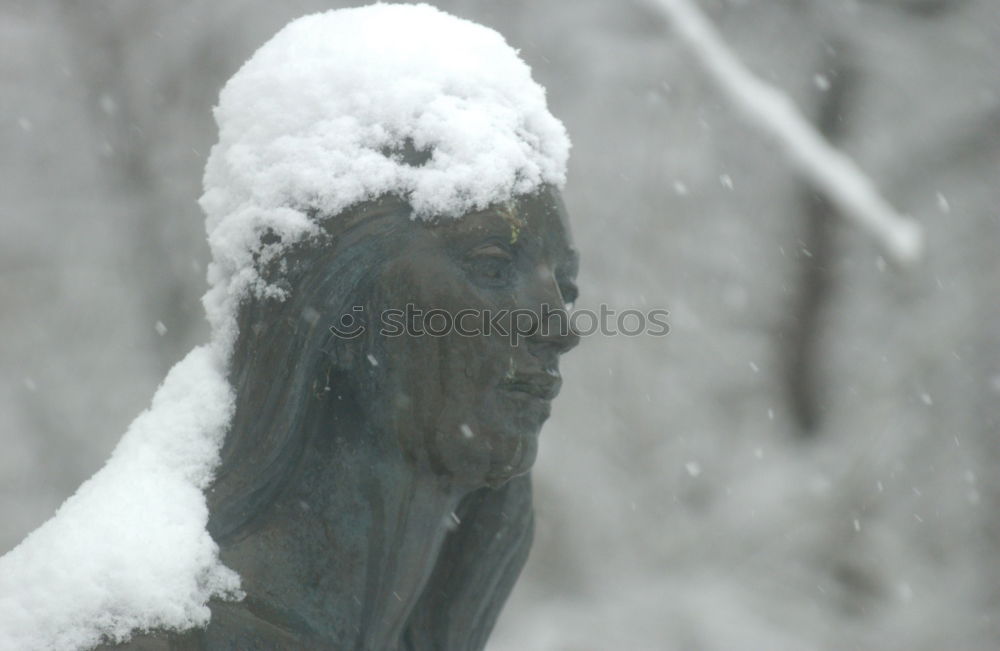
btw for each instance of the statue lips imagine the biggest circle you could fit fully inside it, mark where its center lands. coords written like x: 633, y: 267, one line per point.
x: 542, y: 386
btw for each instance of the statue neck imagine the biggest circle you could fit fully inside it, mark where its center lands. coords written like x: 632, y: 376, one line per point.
x: 346, y: 549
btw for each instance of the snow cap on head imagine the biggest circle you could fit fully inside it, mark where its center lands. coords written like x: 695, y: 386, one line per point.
x: 315, y: 122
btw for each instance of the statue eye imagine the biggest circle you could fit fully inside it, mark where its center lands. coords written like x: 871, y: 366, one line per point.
x: 491, y: 263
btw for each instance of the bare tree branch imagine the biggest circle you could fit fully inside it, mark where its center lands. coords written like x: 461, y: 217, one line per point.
x: 828, y: 169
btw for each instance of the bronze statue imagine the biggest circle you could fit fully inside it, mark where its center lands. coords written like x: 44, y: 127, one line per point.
x: 391, y: 266
x: 373, y: 492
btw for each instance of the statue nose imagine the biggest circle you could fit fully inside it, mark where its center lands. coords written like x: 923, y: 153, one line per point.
x: 554, y: 327
x: 547, y: 290
x: 551, y: 340
x: 570, y: 338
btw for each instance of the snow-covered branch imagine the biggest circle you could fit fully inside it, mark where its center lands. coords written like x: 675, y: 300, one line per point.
x: 832, y: 172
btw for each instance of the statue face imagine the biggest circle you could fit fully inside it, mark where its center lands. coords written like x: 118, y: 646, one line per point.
x: 466, y: 403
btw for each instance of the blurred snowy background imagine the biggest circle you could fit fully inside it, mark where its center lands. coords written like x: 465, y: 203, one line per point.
x: 808, y: 461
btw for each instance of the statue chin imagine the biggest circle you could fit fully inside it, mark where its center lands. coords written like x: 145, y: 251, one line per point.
x: 478, y: 457
x: 518, y: 463
x: 510, y: 456
x: 489, y: 447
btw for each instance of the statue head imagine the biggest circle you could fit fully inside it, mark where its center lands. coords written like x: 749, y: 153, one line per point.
x: 426, y: 337
x: 442, y: 371
x: 386, y: 160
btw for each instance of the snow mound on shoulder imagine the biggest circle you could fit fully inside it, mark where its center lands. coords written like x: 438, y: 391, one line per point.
x: 129, y: 551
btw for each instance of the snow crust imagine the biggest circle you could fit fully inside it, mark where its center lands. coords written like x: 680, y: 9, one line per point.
x: 312, y: 124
